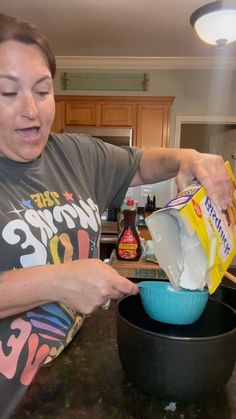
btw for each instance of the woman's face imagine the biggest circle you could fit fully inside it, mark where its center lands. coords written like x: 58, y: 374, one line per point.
x: 27, y: 104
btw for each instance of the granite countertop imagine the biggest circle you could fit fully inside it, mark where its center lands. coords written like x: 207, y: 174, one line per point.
x: 87, y: 381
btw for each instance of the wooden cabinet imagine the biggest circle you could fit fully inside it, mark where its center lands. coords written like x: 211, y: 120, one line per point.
x: 147, y: 116
x: 59, y: 120
x: 117, y: 114
x: 152, y: 125
x: 144, y: 233
x: 80, y: 113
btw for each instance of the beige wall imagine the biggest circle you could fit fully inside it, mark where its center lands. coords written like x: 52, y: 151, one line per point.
x: 197, y: 92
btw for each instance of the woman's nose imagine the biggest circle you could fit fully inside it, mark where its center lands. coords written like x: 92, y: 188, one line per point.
x: 29, y: 107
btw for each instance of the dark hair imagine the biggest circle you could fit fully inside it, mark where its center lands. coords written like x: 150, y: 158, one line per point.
x: 12, y: 28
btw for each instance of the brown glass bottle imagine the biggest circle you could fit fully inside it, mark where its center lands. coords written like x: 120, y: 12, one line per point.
x: 128, y: 245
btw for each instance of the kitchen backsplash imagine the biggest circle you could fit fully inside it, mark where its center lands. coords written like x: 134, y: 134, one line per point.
x: 164, y: 191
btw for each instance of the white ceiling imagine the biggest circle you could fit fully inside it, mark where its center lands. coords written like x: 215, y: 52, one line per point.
x: 117, y: 28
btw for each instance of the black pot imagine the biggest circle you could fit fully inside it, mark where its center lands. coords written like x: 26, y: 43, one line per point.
x: 177, y: 362
x: 226, y: 292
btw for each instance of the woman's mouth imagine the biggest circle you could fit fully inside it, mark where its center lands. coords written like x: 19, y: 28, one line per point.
x: 30, y: 133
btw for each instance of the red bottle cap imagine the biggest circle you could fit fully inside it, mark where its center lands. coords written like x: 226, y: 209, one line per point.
x: 130, y: 202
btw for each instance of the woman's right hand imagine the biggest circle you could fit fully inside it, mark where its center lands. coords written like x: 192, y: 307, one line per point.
x: 86, y: 284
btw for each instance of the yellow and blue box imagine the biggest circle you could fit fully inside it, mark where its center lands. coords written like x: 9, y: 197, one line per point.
x: 194, y: 239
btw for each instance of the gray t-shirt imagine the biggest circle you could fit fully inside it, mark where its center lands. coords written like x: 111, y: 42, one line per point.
x: 50, y: 213
x: 65, y: 191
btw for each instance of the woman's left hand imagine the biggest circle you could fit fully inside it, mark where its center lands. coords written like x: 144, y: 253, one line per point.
x: 186, y: 165
x: 210, y: 171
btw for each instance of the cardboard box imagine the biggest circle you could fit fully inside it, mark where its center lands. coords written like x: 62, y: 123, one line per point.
x: 194, y: 239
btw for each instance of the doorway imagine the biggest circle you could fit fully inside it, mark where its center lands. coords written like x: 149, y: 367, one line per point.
x: 216, y: 135
x: 207, y: 128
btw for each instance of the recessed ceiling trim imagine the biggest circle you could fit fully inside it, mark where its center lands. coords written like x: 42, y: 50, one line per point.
x: 147, y: 63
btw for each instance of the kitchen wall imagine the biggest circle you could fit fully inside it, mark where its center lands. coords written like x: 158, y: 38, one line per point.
x: 161, y: 190
x: 197, y: 93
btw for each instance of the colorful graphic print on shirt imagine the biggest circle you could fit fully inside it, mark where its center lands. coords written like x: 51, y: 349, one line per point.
x: 47, y: 228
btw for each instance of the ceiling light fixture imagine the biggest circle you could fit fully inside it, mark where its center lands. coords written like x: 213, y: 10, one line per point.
x: 215, y: 23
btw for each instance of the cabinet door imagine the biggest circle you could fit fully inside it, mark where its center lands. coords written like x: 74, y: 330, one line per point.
x: 116, y: 114
x: 59, y: 120
x: 81, y: 113
x: 152, y: 125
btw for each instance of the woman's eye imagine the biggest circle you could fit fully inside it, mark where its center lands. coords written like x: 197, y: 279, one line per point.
x: 43, y: 93
x: 9, y: 94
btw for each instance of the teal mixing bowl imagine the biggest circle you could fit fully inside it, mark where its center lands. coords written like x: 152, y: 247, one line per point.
x: 165, y: 304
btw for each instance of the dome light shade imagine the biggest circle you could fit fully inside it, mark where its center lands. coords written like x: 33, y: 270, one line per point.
x: 215, y: 23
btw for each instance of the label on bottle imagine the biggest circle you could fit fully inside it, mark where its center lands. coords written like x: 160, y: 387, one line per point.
x: 128, y: 245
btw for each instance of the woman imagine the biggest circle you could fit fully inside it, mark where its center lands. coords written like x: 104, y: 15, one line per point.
x: 53, y: 190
